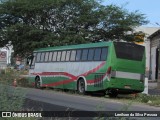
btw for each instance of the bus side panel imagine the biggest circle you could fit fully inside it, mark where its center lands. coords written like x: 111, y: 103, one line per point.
x: 101, y: 75
x: 31, y: 80
x: 48, y: 81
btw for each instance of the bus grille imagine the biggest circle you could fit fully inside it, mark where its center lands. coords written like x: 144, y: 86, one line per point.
x: 98, y: 80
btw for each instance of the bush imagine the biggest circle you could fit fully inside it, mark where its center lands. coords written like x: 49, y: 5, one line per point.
x: 23, y: 82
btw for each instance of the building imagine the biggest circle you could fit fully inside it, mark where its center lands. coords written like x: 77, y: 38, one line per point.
x: 147, y: 31
x: 155, y: 57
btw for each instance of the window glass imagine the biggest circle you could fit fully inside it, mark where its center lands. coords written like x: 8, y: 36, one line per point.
x: 50, y: 56
x: 33, y: 59
x: 68, y: 55
x: 78, y: 55
x: 63, y: 56
x: 38, y: 57
x: 54, y: 56
x: 90, y: 54
x: 104, y: 53
x: 84, y: 54
x: 73, y: 55
x: 46, y: 56
x: 97, y: 54
x: 59, y: 56
x: 129, y: 51
x: 42, y: 56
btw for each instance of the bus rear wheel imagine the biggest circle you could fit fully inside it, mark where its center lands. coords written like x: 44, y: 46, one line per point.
x: 37, y: 83
x: 113, y: 94
x: 81, y: 86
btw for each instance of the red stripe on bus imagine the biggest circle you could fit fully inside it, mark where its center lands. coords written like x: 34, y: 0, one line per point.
x: 55, y: 73
x: 93, y: 70
x: 73, y: 78
x: 58, y: 83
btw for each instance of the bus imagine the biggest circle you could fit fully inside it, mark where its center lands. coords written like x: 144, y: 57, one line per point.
x: 112, y: 67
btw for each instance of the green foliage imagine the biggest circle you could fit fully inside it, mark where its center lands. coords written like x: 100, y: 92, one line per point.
x: 28, y: 24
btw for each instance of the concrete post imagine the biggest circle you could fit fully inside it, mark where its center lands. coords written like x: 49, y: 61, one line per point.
x: 145, y: 86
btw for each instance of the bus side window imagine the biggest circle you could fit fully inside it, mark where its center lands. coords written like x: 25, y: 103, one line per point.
x: 31, y: 60
x: 104, y: 53
x: 50, y: 56
x: 59, y: 56
x: 73, y: 55
x: 90, y: 54
x: 46, y: 56
x: 54, y: 56
x: 42, y: 56
x: 68, y: 55
x: 97, y: 54
x: 63, y: 56
x: 38, y: 57
x: 78, y: 55
x: 84, y: 54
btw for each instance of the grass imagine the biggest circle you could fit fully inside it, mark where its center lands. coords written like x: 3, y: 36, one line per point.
x: 11, y: 99
x: 153, y: 100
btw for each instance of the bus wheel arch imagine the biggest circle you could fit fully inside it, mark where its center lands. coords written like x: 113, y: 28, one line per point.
x: 38, y: 82
x: 113, y: 93
x: 81, y: 85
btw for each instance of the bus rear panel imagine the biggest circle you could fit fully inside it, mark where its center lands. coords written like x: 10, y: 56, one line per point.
x: 127, y: 68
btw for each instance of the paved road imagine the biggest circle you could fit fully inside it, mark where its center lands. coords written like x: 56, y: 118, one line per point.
x: 59, y: 101
x: 83, y: 102
x: 49, y: 100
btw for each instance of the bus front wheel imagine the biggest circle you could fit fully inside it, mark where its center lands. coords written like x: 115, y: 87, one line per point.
x: 37, y: 83
x: 81, y: 86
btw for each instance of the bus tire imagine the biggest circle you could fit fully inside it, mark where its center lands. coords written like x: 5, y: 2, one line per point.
x: 81, y: 86
x: 113, y: 94
x: 37, y: 83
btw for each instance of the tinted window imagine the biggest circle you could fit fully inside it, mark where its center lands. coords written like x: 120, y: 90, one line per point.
x: 84, y: 54
x: 73, y: 55
x: 54, y: 56
x: 104, y: 53
x: 68, y: 55
x: 42, y: 56
x: 38, y: 57
x: 90, y: 54
x: 33, y: 57
x: 46, y: 56
x: 50, y: 56
x: 97, y: 54
x: 59, y: 56
x: 78, y: 55
x: 63, y: 56
x: 129, y: 51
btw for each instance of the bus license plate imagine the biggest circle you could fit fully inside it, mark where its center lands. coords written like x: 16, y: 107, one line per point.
x: 128, y: 87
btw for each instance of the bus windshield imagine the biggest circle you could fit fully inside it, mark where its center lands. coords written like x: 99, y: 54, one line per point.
x: 129, y: 51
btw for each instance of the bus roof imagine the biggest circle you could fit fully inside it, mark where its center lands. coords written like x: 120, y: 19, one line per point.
x: 67, y: 47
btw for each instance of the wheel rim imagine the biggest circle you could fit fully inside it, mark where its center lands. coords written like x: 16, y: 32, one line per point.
x: 81, y: 86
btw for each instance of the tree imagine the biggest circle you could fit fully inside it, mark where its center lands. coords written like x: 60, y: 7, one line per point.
x: 28, y: 24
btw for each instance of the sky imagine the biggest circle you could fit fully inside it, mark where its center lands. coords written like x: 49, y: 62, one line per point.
x: 151, y: 8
